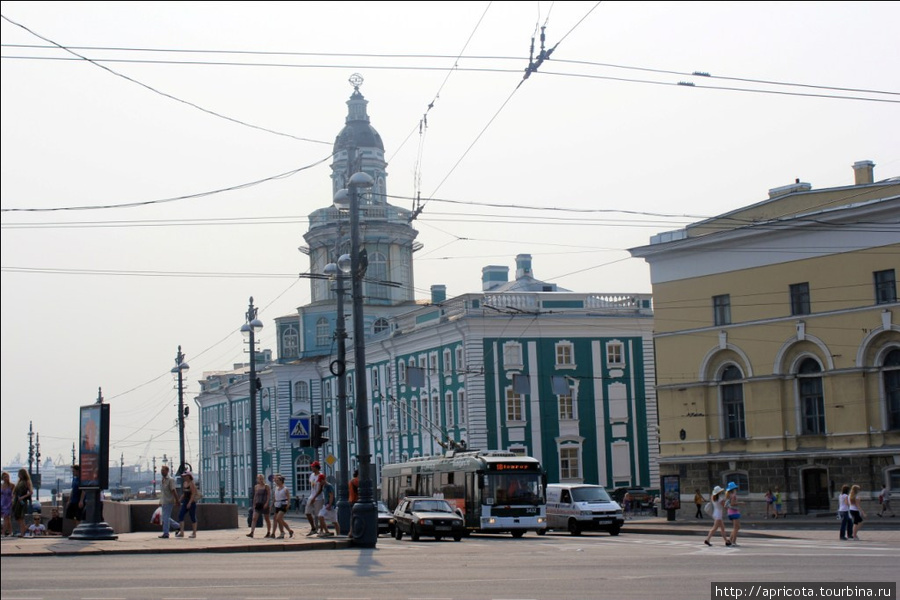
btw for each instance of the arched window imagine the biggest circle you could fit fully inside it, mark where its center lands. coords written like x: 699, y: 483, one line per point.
x: 812, y: 400
x: 323, y: 332
x: 732, y: 397
x: 290, y: 343
x: 891, y: 378
x: 380, y: 325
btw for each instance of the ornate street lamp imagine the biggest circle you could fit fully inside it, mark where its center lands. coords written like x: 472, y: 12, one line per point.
x: 338, y: 369
x: 179, y: 370
x: 249, y: 329
x: 364, y: 514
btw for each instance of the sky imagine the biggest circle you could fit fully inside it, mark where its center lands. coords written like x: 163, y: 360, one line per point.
x: 160, y: 160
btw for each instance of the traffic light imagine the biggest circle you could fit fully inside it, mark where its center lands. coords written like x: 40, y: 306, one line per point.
x: 318, y: 432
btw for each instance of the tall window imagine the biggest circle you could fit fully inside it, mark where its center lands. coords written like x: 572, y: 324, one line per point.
x: 513, y: 405
x: 290, y: 343
x: 448, y: 362
x: 800, y: 299
x: 615, y: 353
x: 401, y: 372
x: 460, y: 364
x: 569, y: 463
x: 565, y: 354
x: 461, y: 404
x: 301, y: 391
x: 376, y: 276
x: 733, y: 402
x: 512, y: 355
x: 451, y: 410
x: 885, y: 287
x: 891, y: 370
x: 566, y: 406
x: 375, y: 387
x: 722, y: 309
x: 323, y: 332
x: 812, y: 402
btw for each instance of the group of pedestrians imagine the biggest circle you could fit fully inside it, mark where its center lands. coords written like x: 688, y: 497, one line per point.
x: 187, y: 499
x: 264, y: 500
x: 725, y: 502
x: 851, y: 513
x: 15, y: 503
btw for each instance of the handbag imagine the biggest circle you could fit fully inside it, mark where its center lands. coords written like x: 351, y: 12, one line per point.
x: 708, y: 508
x: 156, y: 519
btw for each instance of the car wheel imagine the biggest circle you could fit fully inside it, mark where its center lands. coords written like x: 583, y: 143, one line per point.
x: 542, y: 532
x: 457, y: 538
x: 574, y: 528
x: 517, y: 533
x: 413, y: 533
x: 614, y: 531
x: 398, y: 534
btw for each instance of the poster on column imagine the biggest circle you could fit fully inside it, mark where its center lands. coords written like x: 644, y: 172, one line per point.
x: 94, y: 446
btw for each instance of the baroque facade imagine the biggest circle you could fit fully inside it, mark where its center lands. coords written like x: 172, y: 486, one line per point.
x: 778, y: 345
x: 522, y: 365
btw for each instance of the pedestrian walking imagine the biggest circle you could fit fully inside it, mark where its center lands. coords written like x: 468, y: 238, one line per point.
x: 282, y: 501
x: 22, y: 500
x: 354, y: 488
x: 844, y: 513
x: 733, y: 507
x: 167, y: 498
x: 190, y: 495
x: 857, y: 514
x: 770, y: 505
x: 6, y: 502
x: 261, y: 499
x: 884, y: 499
x: 314, y: 502
x: 75, y: 506
x: 699, y: 500
x: 779, y: 506
x: 717, y: 498
x: 327, y: 514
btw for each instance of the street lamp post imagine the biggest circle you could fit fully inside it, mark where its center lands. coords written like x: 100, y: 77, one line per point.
x: 179, y: 370
x: 249, y: 329
x: 338, y: 369
x: 364, y: 514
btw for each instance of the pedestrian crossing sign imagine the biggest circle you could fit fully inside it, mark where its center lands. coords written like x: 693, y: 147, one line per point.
x: 299, y: 428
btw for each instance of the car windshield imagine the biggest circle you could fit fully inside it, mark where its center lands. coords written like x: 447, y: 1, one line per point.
x: 590, y: 494
x: 382, y: 507
x: 432, y: 506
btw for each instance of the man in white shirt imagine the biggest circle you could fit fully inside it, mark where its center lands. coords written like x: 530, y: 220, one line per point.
x: 314, y: 503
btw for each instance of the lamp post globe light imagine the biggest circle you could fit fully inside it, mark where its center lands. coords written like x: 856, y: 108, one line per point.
x: 249, y: 329
x: 179, y: 370
x: 336, y: 272
x: 364, y: 514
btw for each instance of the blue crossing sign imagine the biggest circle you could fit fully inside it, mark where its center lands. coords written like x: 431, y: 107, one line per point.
x: 299, y: 428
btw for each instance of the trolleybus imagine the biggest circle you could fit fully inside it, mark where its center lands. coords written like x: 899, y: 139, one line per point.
x: 495, y: 491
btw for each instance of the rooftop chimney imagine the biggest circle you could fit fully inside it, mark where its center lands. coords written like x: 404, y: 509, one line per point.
x: 493, y: 276
x: 438, y: 293
x: 865, y: 172
x: 523, y: 266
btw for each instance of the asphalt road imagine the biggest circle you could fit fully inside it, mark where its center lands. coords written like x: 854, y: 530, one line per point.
x: 551, y: 567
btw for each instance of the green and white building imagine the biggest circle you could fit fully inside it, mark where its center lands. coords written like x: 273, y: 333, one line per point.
x: 521, y: 365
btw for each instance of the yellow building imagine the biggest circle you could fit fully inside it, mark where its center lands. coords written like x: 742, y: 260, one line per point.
x: 778, y: 345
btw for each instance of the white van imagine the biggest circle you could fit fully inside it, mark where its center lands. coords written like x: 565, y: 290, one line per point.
x: 577, y: 507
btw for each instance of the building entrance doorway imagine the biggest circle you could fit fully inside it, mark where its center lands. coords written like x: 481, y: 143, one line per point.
x: 815, y: 490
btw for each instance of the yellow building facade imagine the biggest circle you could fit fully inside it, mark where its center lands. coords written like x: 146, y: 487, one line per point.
x: 778, y: 346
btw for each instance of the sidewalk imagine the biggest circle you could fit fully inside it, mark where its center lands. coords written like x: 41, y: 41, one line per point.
x: 235, y: 540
